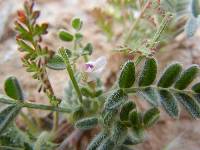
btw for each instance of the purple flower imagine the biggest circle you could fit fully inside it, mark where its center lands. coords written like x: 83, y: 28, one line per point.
x: 93, y: 69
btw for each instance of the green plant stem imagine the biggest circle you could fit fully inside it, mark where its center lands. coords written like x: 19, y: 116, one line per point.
x: 161, y: 28
x: 136, y: 89
x: 71, y: 73
x: 136, y: 22
x: 138, y: 60
x: 35, y: 106
x: 55, y: 121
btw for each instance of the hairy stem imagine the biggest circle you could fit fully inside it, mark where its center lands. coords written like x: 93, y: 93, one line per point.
x: 136, y: 89
x: 34, y: 106
x: 71, y: 73
x: 161, y: 28
x: 136, y: 22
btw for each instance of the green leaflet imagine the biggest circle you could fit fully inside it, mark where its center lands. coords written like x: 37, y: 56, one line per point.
x: 116, y: 99
x: 196, y: 87
x: 7, y: 115
x: 170, y: 75
x: 89, y: 93
x: 56, y: 63
x: 24, y: 47
x: 149, y: 72
x: 126, y: 108
x: 66, y: 36
x: 135, y: 118
x: 97, y: 141
x: 189, y: 103
x: 88, y: 49
x: 187, y: 77
x: 107, y: 144
x: 195, y: 8
x: 119, y: 133
x: 13, y: 88
x: 150, y: 95
x: 169, y: 103
x: 127, y: 76
x: 191, y: 26
x: 151, y: 117
x: 87, y: 123
x: 77, y: 23
x: 78, y: 37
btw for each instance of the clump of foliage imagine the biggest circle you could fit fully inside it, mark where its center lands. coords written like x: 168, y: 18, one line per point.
x: 142, y: 18
x: 121, y: 122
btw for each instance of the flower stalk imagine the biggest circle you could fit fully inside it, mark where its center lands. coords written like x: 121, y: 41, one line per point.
x: 71, y: 73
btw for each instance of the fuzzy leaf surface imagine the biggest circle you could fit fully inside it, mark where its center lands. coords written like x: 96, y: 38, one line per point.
x: 169, y: 103
x: 148, y: 73
x: 127, y: 76
x: 187, y: 77
x: 13, y: 88
x: 170, y: 75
